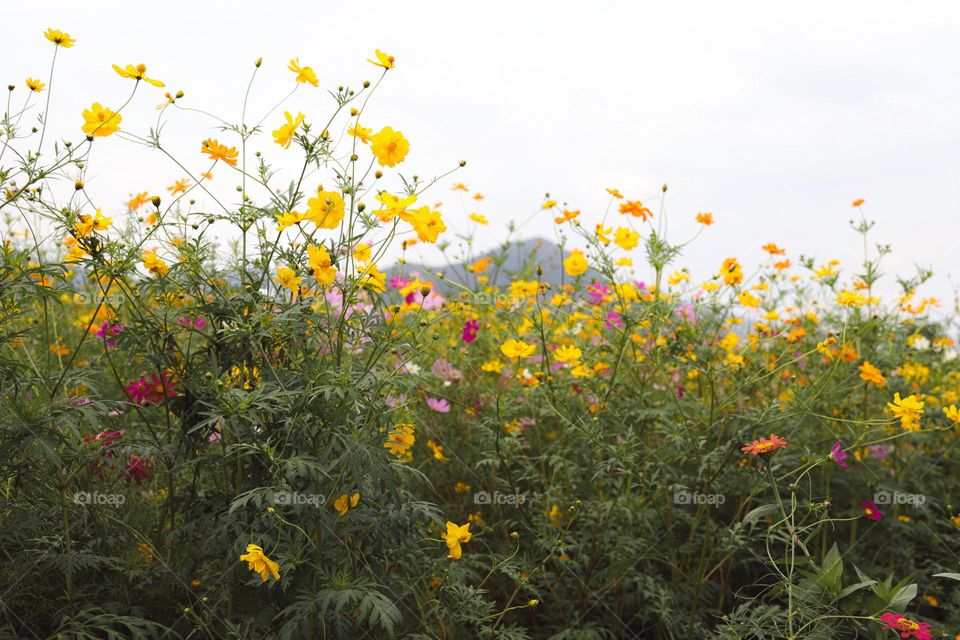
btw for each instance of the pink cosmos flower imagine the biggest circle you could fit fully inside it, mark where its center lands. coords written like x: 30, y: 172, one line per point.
x: 838, y: 455
x: 199, y: 324
x: 871, y: 512
x: 154, y: 391
x: 440, y: 405
x: 878, y: 451
x: 906, y: 627
x: 470, y: 330
x: 398, y: 282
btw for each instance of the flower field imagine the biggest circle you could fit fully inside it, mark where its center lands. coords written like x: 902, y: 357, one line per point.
x: 233, y: 407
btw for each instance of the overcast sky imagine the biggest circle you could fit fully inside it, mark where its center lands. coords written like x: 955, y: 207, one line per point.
x: 773, y: 117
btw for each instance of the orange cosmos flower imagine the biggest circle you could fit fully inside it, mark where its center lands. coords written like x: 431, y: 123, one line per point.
x: 764, y: 446
x: 636, y: 209
x: 218, y: 151
x: 773, y: 249
x: 567, y: 216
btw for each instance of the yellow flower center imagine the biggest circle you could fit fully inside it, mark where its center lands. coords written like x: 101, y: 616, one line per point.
x: 906, y: 624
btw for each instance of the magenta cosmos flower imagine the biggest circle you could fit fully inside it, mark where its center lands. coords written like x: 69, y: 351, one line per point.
x: 470, y: 329
x: 838, y: 455
x: 440, y: 405
x: 871, y: 512
x: 906, y: 627
x: 109, y: 331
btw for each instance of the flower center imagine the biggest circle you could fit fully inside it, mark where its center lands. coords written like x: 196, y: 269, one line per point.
x: 905, y: 624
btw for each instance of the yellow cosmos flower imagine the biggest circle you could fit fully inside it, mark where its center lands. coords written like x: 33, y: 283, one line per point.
x: 372, y: 278
x: 35, y: 85
x: 731, y: 272
x: 258, y: 562
x: 428, y: 224
x: 361, y: 253
x: 908, y: 410
x: 59, y: 38
x: 137, y: 73
x: 568, y: 354
x: 154, y: 264
x: 706, y: 219
x: 603, y: 234
x: 575, y: 264
x: 454, y: 536
x: 288, y: 279
x: 749, y: 300
x: 284, y: 135
x: 100, y: 121
x: 326, y: 210
x: 323, y: 269
x: 304, y: 74
x: 389, y: 147
x: 344, y: 503
x: 393, y: 206
x: 479, y: 219
x: 87, y: 224
x: 437, y: 451
x: 218, y: 151
x: 849, y: 298
x: 400, y: 440
x: 287, y: 219
x: 383, y: 60
x: 626, y: 239
x: 952, y: 413
x: 514, y: 349
x: 360, y: 133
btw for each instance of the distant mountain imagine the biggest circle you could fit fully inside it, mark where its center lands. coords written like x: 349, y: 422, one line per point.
x: 511, y: 261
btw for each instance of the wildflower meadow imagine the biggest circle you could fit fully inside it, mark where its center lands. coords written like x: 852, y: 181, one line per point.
x: 237, y: 406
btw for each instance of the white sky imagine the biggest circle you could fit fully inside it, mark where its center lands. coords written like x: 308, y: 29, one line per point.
x: 773, y: 117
